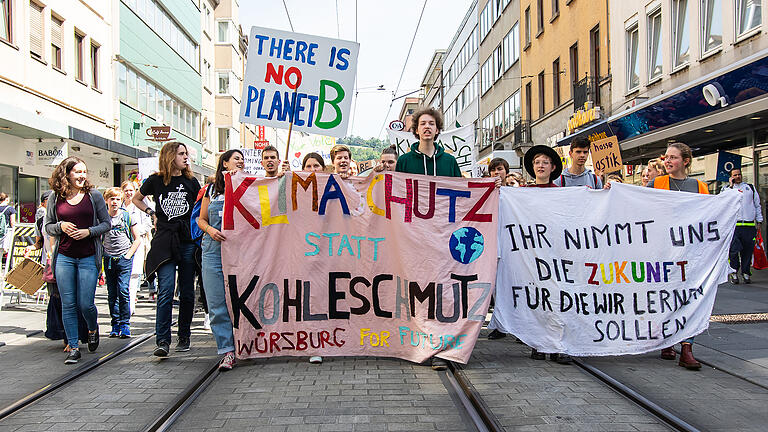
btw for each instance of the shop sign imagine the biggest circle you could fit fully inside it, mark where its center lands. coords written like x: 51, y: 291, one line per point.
x: 583, y: 117
x: 52, y: 153
x: 159, y: 133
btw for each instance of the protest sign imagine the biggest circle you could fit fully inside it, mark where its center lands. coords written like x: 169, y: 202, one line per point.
x: 606, y: 155
x: 301, y: 144
x: 301, y: 79
x: 609, y: 272
x: 147, y: 167
x: 391, y: 265
x: 458, y: 142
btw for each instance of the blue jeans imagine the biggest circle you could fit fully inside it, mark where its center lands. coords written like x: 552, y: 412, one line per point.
x: 166, y: 284
x: 76, y: 278
x: 117, y: 271
x: 215, y: 294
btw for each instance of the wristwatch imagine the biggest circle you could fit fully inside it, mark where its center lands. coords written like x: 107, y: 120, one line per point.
x: 149, y: 211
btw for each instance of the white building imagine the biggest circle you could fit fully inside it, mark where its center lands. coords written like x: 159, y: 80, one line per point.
x: 460, y: 74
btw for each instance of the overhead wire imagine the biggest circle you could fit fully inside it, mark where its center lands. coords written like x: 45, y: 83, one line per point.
x: 402, y: 72
x: 357, y: 89
x: 289, y: 15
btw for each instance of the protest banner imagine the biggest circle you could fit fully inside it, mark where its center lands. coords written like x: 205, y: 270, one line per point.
x: 299, y: 80
x: 609, y: 272
x: 606, y: 155
x: 301, y: 144
x: 458, y: 142
x: 391, y: 265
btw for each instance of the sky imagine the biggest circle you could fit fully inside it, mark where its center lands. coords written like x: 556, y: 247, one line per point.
x: 384, y: 31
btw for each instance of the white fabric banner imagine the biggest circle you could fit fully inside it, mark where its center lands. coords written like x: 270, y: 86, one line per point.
x: 458, y: 142
x: 609, y: 272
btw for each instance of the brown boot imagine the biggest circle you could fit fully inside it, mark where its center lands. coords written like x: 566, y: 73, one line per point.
x: 668, y: 353
x: 686, y: 357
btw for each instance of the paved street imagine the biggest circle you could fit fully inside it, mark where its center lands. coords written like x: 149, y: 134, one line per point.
x: 362, y: 394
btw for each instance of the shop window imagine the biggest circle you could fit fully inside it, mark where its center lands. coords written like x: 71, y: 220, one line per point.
x: 747, y: 16
x: 654, y: 45
x: 633, y: 73
x: 711, y: 25
x: 680, y: 38
x: 6, y: 20
x: 56, y: 41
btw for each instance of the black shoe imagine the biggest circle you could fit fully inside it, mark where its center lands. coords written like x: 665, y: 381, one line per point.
x: 563, y: 358
x: 495, y: 334
x: 183, y: 344
x: 162, y: 349
x: 93, y: 340
x: 537, y: 355
x: 72, y: 357
x: 439, y: 364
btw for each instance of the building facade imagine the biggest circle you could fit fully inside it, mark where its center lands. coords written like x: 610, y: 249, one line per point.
x: 565, y: 66
x: 499, y: 74
x: 432, y: 83
x: 460, y: 74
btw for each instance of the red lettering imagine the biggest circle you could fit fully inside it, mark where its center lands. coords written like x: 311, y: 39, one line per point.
x: 473, y: 214
x: 232, y: 201
x: 261, y: 335
x: 273, y: 338
x: 325, y: 338
x: 244, y: 347
x: 592, y: 280
x: 292, y: 71
x: 301, y: 340
x: 287, y: 340
x: 389, y: 198
x: 274, y: 75
x: 336, y: 339
x: 431, y: 209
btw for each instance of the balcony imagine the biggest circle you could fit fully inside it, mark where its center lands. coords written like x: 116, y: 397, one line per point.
x: 586, y: 90
x: 522, y: 133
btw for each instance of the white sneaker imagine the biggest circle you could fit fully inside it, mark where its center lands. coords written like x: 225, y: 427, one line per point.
x: 207, y: 322
x: 315, y: 359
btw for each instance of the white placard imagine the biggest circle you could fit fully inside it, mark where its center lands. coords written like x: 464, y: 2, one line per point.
x: 458, y: 142
x: 609, y: 272
x: 147, y: 167
x: 310, y: 79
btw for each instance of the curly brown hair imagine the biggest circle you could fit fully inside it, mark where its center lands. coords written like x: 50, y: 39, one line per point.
x: 430, y: 111
x: 165, y: 162
x: 59, y: 180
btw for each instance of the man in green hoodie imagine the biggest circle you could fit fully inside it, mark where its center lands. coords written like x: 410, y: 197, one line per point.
x: 426, y: 157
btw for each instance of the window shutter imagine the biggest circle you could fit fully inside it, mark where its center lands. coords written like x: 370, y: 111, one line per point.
x: 36, y: 29
x: 56, y: 31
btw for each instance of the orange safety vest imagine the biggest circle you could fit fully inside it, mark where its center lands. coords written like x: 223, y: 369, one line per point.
x: 662, y: 182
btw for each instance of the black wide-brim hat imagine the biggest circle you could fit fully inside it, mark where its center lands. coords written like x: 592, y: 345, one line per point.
x: 547, y: 150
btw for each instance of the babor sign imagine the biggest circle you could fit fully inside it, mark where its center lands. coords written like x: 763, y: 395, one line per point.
x: 52, y: 153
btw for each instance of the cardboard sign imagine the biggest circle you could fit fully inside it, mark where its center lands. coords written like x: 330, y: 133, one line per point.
x: 613, y: 277
x: 26, y: 276
x: 606, y: 155
x: 390, y: 265
x: 305, y: 79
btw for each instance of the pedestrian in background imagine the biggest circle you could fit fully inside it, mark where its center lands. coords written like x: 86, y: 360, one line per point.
x: 77, y: 218
x: 313, y: 162
x: 143, y: 231
x: 577, y: 174
x: 499, y: 167
x: 213, y: 276
x: 748, y: 224
x: 677, y: 162
x: 7, y: 213
x: 175, y: 191
x: 120, y: 245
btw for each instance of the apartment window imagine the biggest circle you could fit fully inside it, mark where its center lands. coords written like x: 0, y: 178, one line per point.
x: 498, y: 125
x: 486, y: 79
x: 594, y: 52
x: 511, y: 46
x: 223, y: 139
x: 574, y: 62
x: 541, y: 94
x: 5, y: 20
x: 36, y: 30
x: 527, y: 26
x: 223, y: 88
x: 79, y: 56
x: 539, y: 17
x: 223, y: 35
x: 95, y: 65
x: 488, y: 130
x: 151, y: 100
x: 556, y: 83
x: 153, y: 14
x: 528, y: 101
x: 555, y: 8
x: 498, y: 63
x: 747, y: 15
x: 680, y: 36
x: 654, y: 45
x: 711, y: 25
x: 56, y: 42
x: 142, y: 94
x: 122, y: 82
x: 633, y: 70
x: 511, y: 111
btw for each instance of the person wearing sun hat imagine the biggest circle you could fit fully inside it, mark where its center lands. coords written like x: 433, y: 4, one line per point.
x: 543, y: 164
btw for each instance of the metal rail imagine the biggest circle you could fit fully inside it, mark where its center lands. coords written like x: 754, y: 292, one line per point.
x: 471, y: 405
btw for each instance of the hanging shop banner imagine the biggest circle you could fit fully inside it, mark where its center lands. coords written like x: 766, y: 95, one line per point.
x: 458, y: 142
x: 305, y: 79
x: 52, y: 153
x: 390, y: 265
x: 610, y: 272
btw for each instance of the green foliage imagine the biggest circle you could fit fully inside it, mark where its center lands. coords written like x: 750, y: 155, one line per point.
x: 363, y: 149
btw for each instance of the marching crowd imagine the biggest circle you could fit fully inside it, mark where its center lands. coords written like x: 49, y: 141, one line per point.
x: 168, y: 231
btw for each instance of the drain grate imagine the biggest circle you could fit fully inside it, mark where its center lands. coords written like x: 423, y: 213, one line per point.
x: 746, y: 318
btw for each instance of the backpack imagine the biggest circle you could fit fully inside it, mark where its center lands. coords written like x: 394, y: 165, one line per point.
x: 194, y: 228
x: 3, y: 222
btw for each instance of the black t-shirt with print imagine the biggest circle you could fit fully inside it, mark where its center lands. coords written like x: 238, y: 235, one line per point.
x: 174, y: 201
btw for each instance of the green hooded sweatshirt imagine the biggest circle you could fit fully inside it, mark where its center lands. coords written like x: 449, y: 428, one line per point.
x: 416, y: 162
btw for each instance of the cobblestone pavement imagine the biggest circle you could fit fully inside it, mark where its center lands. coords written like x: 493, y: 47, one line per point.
x: 541, y: 395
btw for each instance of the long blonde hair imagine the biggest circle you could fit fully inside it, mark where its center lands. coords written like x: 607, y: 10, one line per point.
x: 165, y: 162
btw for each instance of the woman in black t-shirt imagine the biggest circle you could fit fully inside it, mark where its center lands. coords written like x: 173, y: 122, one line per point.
x: 175, y: 192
